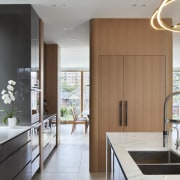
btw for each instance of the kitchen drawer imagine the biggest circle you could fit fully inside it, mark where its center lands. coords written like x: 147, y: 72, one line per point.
x: 47, y: 150
x: 35, y: 165
x: 12, y: 145
x: 15, y: 162
x: 25, y: 174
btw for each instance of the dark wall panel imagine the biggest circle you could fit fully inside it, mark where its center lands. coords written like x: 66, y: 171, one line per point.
x: 15, y: 56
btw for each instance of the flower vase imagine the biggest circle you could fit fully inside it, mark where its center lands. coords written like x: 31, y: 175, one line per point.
x: 12, y: 122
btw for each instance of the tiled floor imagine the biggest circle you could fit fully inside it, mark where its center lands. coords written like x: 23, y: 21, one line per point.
x: 70, y: 161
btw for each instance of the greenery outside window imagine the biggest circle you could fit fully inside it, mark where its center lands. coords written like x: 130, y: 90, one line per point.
x: 74, y: 93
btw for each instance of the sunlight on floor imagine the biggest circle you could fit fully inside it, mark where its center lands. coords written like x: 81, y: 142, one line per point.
x: 70, y: 161
x: 78, y: 137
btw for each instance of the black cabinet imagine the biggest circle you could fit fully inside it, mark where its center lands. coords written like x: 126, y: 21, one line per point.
x: 19, y: 59
x: 16, y: 159
x: 25, y: 174
x: 19, y: 54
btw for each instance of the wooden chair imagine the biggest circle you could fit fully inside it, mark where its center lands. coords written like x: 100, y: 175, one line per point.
x: 78, y: 120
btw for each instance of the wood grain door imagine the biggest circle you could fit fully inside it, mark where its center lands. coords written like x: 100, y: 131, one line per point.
x: 139, y: 83
x: 110, y: 95
x: 144, y: 92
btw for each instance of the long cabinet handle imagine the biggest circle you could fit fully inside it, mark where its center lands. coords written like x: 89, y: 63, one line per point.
x: 120, y: 113
x: 125, y: 113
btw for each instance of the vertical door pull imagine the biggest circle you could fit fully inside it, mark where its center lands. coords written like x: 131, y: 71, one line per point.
x: 120, y: 113
x: 126, y: 113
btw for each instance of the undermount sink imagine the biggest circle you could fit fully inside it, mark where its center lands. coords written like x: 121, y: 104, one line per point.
x: 157, y: 162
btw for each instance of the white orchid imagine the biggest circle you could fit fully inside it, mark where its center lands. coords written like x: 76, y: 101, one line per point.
x: 11, y: 82
x: 8, y: 96
x: 10, y: 87
x: 3, y: 91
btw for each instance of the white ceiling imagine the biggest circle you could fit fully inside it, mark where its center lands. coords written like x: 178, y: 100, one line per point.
x: 66, y: 22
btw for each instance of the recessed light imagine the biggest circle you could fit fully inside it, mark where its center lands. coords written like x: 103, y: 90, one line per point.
x: 69, y: 29
x: 61, y: 4
x: 139, y: 5
x: 64, y: 5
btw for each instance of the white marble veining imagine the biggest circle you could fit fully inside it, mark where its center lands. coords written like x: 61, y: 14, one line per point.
x: 125, y: 141
x: 7, y: 133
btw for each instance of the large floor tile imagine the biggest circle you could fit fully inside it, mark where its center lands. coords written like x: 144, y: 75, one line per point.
x: 70, y: 161
x: 56, y: 176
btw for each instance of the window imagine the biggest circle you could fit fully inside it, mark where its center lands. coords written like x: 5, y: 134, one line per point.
x: 176, y: 99
x: 74, y: 92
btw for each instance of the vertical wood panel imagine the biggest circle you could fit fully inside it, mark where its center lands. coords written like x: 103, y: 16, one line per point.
x: 144, y: 89
x: 122, y: 37
x: 51, y: 82
x: 51, y: 66
x: 110, y: 77
x: 93, y: 139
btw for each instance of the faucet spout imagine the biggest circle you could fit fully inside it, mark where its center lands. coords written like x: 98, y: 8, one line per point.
x: 165, y: 122
x: 177, y: 140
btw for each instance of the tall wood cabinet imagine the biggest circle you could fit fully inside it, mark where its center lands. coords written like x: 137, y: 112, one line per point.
x: 131, y: 94
x: 130, y: 78
x: 51, y: 109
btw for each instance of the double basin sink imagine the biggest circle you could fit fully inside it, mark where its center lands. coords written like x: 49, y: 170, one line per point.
x: 157, y: 162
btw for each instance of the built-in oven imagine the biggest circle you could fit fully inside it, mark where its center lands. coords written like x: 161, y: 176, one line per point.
x: 35, y: 141
x: 35, y: 97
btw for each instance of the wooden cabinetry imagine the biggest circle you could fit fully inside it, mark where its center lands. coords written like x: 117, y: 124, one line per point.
x: 132, y: 89
x: 144, y: 92
x: 51, y: 77
x: 131, y: 69
x: 132, y: 92
x: 51, y: 110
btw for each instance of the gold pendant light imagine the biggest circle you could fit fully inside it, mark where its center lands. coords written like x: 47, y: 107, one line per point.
x: 159, y: 24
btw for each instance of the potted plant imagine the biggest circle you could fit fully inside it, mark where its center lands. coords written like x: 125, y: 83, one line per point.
x: 8, y: 96
x: 63, y: 111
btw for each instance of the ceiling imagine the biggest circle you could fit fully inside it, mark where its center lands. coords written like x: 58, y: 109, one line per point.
x: 66, y: 22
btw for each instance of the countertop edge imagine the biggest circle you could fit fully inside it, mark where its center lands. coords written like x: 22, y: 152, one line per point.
x: 7, y: 134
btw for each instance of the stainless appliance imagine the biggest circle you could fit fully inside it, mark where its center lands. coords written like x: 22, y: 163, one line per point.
x: 35, y: 120
x: 35, y: 95
x: 49, y: 135
x: 35, y: 141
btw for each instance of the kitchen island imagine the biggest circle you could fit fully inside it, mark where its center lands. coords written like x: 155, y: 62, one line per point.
x: 119, y: 163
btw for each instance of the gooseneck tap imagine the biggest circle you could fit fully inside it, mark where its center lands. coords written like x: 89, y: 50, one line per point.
x: 177, y: 140
x: 165, y: 122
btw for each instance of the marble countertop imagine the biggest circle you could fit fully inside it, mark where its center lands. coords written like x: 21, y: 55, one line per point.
x: 126, y: 141
x: 7, y: 133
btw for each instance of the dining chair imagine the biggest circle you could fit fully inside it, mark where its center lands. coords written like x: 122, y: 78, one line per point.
x: 78, y: 120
